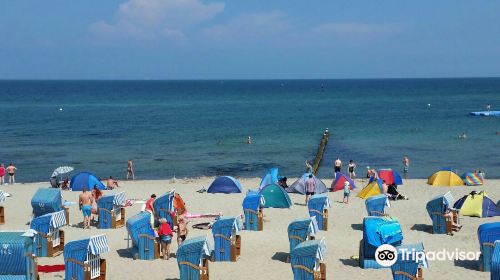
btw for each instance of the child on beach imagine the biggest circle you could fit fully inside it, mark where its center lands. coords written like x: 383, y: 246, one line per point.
x: 347, y: 192
x: 352, y: 168
x: 165, y: 234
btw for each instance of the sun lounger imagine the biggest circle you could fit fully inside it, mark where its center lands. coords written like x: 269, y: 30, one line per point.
x: 82, y: 258
x: 487, y: 234
x: 192, y: 259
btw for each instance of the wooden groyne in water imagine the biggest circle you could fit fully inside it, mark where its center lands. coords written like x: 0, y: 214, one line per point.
x: 321, y: 151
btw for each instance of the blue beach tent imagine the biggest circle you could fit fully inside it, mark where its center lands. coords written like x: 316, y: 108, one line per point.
x: 85, y: 180
x: 82, y: 258
x: 46, y: 200
x: 225, y: 184
x: 306, y: 260
x: 226, y: 241
x: 275, y: 197
x: 145, y: 246
x: 19, y: 262
x: 49, y: 240
x: 318, y: 205
x: 192, y: 258
x: 164, y: 206
x: 111, y: 211
x: 271, y: 177
x: 487, y: 234
x: 252, y: 209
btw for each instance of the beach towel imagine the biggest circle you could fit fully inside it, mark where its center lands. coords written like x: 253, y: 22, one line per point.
x: 51, y: 268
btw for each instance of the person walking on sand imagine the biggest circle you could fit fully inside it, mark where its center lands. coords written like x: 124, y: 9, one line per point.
x: 86, y: 201
x: 310, y: 187
x: 11, y: 169
x: 150, y: 209
x: 352, y: 168
x: 130, y: 170
x: 406, y: 166
x: 347, y: 192
x: 165, y: 234
x: 309, y: 168
x: 337, y: 166
x: 2, y: 174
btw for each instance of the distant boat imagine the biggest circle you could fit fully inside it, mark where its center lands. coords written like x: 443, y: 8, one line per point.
x: 486, y: 113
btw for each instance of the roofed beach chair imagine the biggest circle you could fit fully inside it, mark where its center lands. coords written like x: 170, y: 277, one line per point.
x: 301, y: 230
x: 437, y: 209
x: 82, y: 258
x: 253, y: 203
x: 377, y: 231
x: 487, y: 234
x: 111, y: 212
x: 227, y: 243
x: 408, y: 266
x: 48, y: 200
x: 318, y: 205
x: 375, y: 205
x: 145, y: 245
x: 192, y: 259
x: 2, y: 211
x: 307, y: 260
x: 49, y: 238
x: 164, y: 206
x: 495, y: 262
x: 17, y: 258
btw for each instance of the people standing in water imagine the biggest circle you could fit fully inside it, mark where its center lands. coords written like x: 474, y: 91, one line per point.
x: 2, y: 174
x: 11, y: 170
x: 352, y: 169
x: 130, y: 170
x: 309, y: 168
x: 488, y: 107
x: 337, y: 166
x: 406, y: 166
x: 85, y: 203
x: 310, y: 187
x: 249, y: 140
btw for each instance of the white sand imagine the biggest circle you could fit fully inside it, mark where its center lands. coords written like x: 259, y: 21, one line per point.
x: 262, y: 252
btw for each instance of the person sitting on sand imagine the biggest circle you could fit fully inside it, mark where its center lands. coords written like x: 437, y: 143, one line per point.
x: 111, y: 183
x: 392, y: 192
x: 282, y: 182
x: 165, y: 234
x: 85, y: 202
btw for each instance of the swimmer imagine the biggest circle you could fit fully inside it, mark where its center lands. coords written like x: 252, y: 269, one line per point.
x: 249, y: 140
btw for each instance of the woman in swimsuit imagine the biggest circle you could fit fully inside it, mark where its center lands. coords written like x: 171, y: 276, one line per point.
x: 130, y: 170
x: 352, y: 167
x: 2, y: 174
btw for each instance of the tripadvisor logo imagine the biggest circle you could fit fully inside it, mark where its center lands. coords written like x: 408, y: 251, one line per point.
x: 386, y: 255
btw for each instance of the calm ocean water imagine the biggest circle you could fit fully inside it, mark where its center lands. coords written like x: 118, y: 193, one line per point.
x: 173, y: 127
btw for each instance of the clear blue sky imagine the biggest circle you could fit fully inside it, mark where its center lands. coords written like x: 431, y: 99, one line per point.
x: 200, y: 39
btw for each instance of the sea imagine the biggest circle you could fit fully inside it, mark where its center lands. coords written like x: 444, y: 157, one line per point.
x: 194, y: 128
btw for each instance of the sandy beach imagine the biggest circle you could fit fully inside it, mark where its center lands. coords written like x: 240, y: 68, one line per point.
x: 263, y: 253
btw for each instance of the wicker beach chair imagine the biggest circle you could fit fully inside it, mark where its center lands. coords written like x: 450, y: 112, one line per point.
x: 318, y: 208
x: 145, y: 245
x: 111, y: 212
x: 227, y: 243
x: 375, y: 205
x: 2, y: 211
x: 164, y: 207
x: 192, y: 259
x: 495, y: 262
x: 49, y: 238
x: 409, y: 267
x: 307, y: 260
x: 253, y: 205
x: 301, y: 230
x: 487, y: 234
x: 17, y: 258
x: 82, y: 258
x: 437, y: 208
x: 48, y: 200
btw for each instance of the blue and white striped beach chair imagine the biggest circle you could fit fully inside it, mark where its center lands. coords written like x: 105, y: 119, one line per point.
x: 17, y: 258
x: 48, y: 200
x: 408, y: 265
x: 318, y: 205
x: 2, y: 211
x: 82, y: 258
x: 301, y: 230
x: 306, y: 260
x: 487, y: 234
x: 49, y: 238
x: 164, y: 207
x: 192, y: 259
x: 227, y: 243
x: 437, y: 208
x: 253, y: 203
x: 375, y: 205
x: 111, y: 211
x: 145, y: 246
x: 495, y: 262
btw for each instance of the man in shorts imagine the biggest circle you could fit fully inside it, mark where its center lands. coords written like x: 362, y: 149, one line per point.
x: 337, y: 166
x: 86, y: 201
x: 310, y: 187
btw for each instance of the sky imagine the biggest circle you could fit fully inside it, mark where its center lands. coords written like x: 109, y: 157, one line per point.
x: 201, y: 39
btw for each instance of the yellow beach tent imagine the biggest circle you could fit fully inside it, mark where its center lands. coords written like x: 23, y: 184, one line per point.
x: 445, y: 178
x: 373, y: 188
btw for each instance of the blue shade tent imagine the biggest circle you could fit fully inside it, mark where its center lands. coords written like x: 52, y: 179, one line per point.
x: 17, y: 260
x: 375, y: 205
x: 408, y: 266
x: 275, y: 197
x: 307, y: 260
x: 111, y: 212
x: 49, y: 239
x: 85, y: 180
x: 145, y: 246
x: 377, y: 231
x: 271, y: 177
x: 495, y: 262
x: 487, y: 234
x: 225, y: 184
x: 252, y: 209
x: 301, y: 230
x: 318, y: 208
x: 299, y: 186
x: 82, y: 258
x: 46, y: 200
x: 192, y: 258
x: 164, y: 206
x: 436, y: 208
x: 227, y: 244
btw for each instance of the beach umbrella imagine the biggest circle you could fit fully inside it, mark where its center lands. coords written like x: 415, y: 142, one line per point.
x: 62, y: 170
